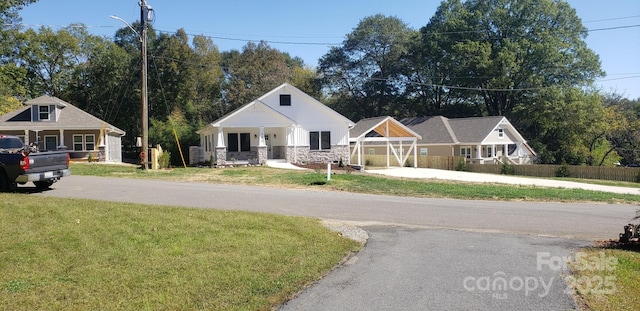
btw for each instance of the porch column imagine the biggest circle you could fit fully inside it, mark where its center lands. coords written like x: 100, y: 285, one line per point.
x: 493, y: 151
x: 261, y: 141
x: 262, y: 148
x: 388, y: 153
x: 62, y: 137
x: 221, y: 149
x: 479, y: 151
x: 401, y: 154
x: 26, y: 137
x: 220, y: 139
x: 415, y: 152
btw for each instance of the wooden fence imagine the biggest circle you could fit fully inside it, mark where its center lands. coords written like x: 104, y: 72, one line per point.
x: 437, y: 162
x: 629, y: 174
x: 545, y: 170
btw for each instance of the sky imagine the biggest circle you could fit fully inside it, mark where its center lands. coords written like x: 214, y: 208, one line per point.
x: 308, y: 29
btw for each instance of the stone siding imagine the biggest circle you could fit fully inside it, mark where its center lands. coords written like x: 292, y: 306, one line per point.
x: 221, y: 156
x: 304, y: 155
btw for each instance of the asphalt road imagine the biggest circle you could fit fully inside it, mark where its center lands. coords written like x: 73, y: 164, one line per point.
x: 423, y: 254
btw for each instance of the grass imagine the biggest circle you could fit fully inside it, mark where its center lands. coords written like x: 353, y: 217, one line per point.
x: 69, y: 254
x: 361, y: 183
x: 599, y: 288
x: 613, y: 183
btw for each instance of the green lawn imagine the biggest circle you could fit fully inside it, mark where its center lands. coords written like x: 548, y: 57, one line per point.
x: 358, y: 182
x: 608, y: 278
x: 67, y: 254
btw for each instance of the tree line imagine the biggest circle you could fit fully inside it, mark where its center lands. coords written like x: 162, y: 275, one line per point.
x: 523, y: 59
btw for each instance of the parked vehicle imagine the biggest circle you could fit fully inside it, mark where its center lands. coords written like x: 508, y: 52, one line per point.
x: 20, y: 164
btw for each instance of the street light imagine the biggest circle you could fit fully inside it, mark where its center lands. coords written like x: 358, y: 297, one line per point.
x: 146, y: 15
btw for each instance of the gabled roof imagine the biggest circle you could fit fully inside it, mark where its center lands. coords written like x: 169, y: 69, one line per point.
x: 474, y: 129
x: 435, y: 130
x: 246, y: 115
x: 256, y: 107
x: 440, y: 130
x: 310, y: 100
x: 380, y: 125
x: 69, y: 118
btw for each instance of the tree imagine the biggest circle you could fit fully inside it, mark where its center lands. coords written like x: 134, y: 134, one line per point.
x: 364, y: 75
x: 8, y: 104
x: 624, y: 133
x: 9, y: 11
x: 49, y: 59
x: 562, y: 124
x: 507, y: 51
x: 100, y: 79
x: 208, y: 80
x: 255, y: 71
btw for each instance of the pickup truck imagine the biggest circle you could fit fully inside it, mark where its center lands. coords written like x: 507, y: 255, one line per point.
x: 20, y: 164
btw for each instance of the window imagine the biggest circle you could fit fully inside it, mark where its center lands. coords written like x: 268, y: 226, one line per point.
x: 500, y: 133
x: 489, y: 152
x: 43, y: 112
x: 285, y: 99
x: 89, y: 142
x: 320, y: 140
x: 465, y: 152
x: 84, y: 142
x: 372, y: 151
x: 245, y: 142
x: 77, y: 143
x: 424, y: 151
x: 325, y: 140
x: 238, y: 142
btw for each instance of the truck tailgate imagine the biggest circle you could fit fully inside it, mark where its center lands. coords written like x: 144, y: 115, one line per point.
x: 48, y: 161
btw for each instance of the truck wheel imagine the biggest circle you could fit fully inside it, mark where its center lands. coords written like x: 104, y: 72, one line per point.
x: 4, y: 183
x: 42, y: 185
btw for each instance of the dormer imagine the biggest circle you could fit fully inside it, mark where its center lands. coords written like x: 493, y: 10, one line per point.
x: 45, y: 109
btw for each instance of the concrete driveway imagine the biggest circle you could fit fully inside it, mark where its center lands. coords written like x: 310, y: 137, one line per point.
x: 428, y: 173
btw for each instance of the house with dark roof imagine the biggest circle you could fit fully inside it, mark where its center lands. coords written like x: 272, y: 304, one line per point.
x: 53, y: 124
x: 478, y: 139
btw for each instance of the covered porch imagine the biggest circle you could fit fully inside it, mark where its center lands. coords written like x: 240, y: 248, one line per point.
x: 252, y: 134
x: 386, y: 131
x: 509, y: 153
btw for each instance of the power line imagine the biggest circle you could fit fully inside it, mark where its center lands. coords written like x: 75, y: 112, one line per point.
x: 611, y: 19
x: 282, y: 42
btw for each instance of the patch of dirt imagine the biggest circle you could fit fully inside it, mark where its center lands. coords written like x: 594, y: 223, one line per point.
x: 616, y: 244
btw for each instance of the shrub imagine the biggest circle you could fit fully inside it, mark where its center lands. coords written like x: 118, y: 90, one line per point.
x: 340, y: 164
x: 507, y: 169
x: 164, y: 159
x: 638, y: 177
x: 367, y: 162
x: 462, y: 165
x: 563, y: 171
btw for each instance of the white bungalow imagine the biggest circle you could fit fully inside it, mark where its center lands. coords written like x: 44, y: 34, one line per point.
x: 285, y: 124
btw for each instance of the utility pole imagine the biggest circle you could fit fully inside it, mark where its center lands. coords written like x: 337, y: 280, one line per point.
x: 145, y: 17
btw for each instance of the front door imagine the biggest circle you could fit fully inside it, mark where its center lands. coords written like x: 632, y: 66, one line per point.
x: 51, y: 143
x: 267, y: 140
